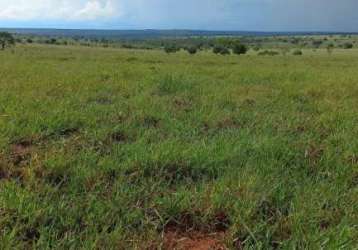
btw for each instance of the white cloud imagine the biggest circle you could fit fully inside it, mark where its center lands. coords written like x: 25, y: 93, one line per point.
x: 58, y: 9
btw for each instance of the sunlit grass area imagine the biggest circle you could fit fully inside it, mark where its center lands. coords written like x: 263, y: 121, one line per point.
x: 121, y: 149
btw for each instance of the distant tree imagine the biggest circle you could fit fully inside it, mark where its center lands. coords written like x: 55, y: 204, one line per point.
x: 29, y: 40
x: 6, y: 40
x: 295, y: 40
x: 256, y: 48
x: 297, y: 52
x: 218, y: 49
x: 347, y: 45
x: 330, y: 48
x: 192, y: 50
x: 239, y: 49
x: 225, y: 51
x: 317, y: 43
x: 268, y: 53
x: 53, y: 41
x: 171, y: 49
x: 127, y: 46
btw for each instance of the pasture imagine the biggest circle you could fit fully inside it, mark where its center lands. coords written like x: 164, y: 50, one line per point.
x: 137, y: 149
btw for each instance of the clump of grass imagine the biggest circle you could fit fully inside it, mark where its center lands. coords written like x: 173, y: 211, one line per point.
x: 173, y: 84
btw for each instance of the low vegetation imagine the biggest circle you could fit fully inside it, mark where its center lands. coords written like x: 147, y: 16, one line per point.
x: 106, y: 148
x: 6, y: 40
x: 297, y: 52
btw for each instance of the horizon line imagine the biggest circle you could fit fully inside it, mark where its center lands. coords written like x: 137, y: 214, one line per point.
x: 183, y: 29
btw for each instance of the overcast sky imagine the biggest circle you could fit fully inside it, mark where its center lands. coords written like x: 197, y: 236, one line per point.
x: 256, y: 15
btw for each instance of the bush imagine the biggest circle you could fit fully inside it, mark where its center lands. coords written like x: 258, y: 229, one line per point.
x: 297, y: 52
x: 217, y: 49
x: 171, y: 49
x: 239, y: 49
x: 127, y: 46
x: 317, y: 43
x: 6, y: 40
x: 221, y: 50
x: 330, y: 48
x: 225, y: 51
x: 348, y: 46
x: 192, y: 50
x: 268, y: 53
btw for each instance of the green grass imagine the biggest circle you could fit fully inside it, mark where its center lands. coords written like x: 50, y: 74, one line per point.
x: 113, y: 149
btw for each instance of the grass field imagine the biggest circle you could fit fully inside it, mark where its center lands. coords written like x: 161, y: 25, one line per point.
x: 130, y: 149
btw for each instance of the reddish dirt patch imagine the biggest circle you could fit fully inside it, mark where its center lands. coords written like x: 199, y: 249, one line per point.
x: 151, y: 122
x: 118, y: 137
x: 20, y: 151
x: 186, y: 233
x: 182, y: 104
x: 193, y: 241
x: 314, y: 154
x: 228, y: 123
x: 12, y: 163
x: 249, y: 102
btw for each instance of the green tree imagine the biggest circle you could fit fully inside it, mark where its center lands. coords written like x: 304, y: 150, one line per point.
x: 6, y: 40
x: 297, y: 52
x: 239, y: 49
x: 191, y: 50
x: 348, y: 46
x: 171, y: 49
x: 330, y: 48
x: 218, y: 49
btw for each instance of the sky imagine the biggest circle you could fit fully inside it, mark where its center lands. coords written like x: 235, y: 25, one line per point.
x: 242, y: 15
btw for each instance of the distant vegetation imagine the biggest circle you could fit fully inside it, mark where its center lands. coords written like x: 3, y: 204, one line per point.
x: 223, y: 45
x: 348, y: 45
x: 297, y: 52
x: 6, y: 40
x: 220, y: 49
x: 268, y: 53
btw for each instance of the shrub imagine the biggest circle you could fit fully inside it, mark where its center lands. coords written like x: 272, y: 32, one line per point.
x: 268, y: 53
x: 127, y: 46
x: 330, y: 48
x: 297, y: 52
x: 171, y: 49
x: 6, y: 40
x: 192, y: 50
x: 217, y: 49
x: 221, y: 50
x: 225, y: 51
x: 239, y: 49
x: 348, y: 46
x: 317, y: 43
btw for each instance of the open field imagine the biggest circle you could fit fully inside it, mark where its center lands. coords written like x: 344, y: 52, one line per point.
x: 121, y: 149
